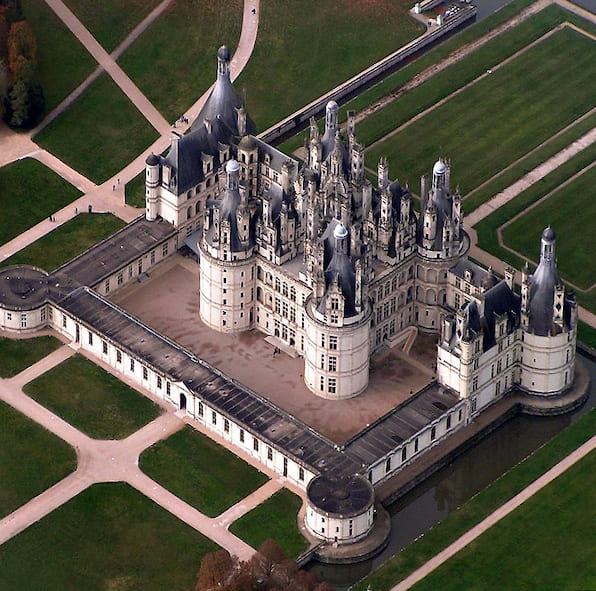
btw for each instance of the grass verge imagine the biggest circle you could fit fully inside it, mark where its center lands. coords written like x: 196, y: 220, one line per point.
x: 483, y: 504
x: 483, y: 141
x: 30, y: 192
x: 566, y: 210
x: 108, y: 21
x: 275, y: 518
x: 134, y: 192
x: 108, y: 538
x: 31, y: 460
x: 91, y: 399
x: 487, y: 228
x: 530, y: 162
x: 201, y: 472
x: 552, y: 533
x: 18, y: 354
x: 63, y: 61
x: 297, y: 59
x: 586, y: 334
x: 66, y: 241
x: 100, y: 133
x: 174, y: 61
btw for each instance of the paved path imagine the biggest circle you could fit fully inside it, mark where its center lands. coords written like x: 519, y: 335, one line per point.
x: 496, y: 516
x: 77, y: 92
x: 114, y: 461
x: 529, y: 179
x: 110, y: 66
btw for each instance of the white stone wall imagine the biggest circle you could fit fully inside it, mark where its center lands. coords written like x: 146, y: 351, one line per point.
x: 334, y: 528
x: 24, y: 320
x: 227, y: 293
x: 336, y: 360
x: 547, y: 362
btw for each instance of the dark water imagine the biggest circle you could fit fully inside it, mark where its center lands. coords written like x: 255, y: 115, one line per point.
x: 450, y: 487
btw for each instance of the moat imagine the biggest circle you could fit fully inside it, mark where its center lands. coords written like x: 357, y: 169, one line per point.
x: 449, y: 488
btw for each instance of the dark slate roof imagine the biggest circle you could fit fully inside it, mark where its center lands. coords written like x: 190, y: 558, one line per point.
x: 479, y: 275
x: 223, y: 102
x: 344, y: 497
x: 255, y: 413
x: 116, y: 251
x: 399, y: 424
x: 498, y: 301
x: 23, y: 287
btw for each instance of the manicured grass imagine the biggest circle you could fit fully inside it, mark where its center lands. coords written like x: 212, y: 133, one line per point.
x: 63, y: 61
x: 483, y: 504
x: 31, y: 460
x: 482, y: 141
x: 91, y: 399
x: 296, y: 59
x: 18, y: 354
x: 174, y: 60
x: 201, y: 472
x: 553, y: 537
x: 67, y: 241
x: 108, y: 21
x: 459, y: 74
x: 100, y: 133
x: 528, y: 163
x: 487, y: 228
x: 393, y: 82
x: 586, y: 334
x: 565, y: 211
x: 108, y: 538
x: 29, y: 193
x: 134, y: 191
x: 276, y: 518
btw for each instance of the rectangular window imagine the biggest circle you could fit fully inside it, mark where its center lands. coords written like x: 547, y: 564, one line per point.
x: 63, y: 321
x: 107, y: 286
x: 164, y: 249
x: 23, y: 320
x: 322, y: 384
x: 159, y: 382
x: 475, y: 384
x: 269, y: 454
x: 404, y: 453
x: 91, y: 338
x: 201, y: 409
x: 153, y: 257
x: 474, y: 404
x: 132, y: 364
x: 140, y: 267
x: 255, y: 444
x: 448, y: 421
x: 322, y: 361
x: 9, y: 317
x: 104, y: 347
x: 226, y: 425
x: 241, y: 435
x: 333, y: 342
x: 322, y: 340
x: 130, y: 271
x: 168, y: 388
x: 332, y: 363
x: 43, y: 314
x: 416, y: 445
x: 388, y: 465
x: 332, y: 382
x: 300, y: 473
x: 213, y: 417
x: 145, y: 373
x: 433, y: 433
x: 118, y: 356
x: 120, y: 278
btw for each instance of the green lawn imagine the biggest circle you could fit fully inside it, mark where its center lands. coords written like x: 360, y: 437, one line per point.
x: 31, y: 460
x: 276, y: 518
x: 91, y: 399
x: 553, y: 537
x: 134, y: 191
x: 483, y: 504
x: 100, y: 133
x: 528, y: 163
x: 174, y: 61
x: 586, y: 334
x: 108, y: 538
x: 29, y: 193
x: 108, y: 21
x: 523, y: 104
x: 63, y: 61
x: 487, y: 228
x: 18, y: 354
x: 66, y: 241
x: 201, y: 472
x: 565, y: 211
x: 297, y: 59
